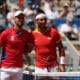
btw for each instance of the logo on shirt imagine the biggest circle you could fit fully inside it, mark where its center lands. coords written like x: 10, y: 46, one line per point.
x: 12, y: 38
x: 49, y: 38
x: 36, y: 40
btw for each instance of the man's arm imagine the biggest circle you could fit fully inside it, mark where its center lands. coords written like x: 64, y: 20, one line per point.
x: 61, y: 56
x: 28, y: 48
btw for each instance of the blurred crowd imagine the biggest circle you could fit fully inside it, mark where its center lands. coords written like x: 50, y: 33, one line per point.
x: 54, y: 9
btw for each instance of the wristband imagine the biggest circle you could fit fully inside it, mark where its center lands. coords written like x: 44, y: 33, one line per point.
x: 62, y: 60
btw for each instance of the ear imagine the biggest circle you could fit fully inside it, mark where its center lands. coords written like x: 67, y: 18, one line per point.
x: 36, y: 20
x: 13, y: 18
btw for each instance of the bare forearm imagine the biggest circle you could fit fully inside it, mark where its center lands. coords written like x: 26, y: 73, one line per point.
x: 61, y: 57
x: 61, y: 50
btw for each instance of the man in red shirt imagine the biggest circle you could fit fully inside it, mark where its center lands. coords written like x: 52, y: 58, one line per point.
x: 14, y: 40
x: 46, y: 40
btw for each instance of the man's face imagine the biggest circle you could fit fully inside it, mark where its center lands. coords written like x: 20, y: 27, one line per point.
x: 19, y: 20
x: 66, y: 9
x: 41, y: 22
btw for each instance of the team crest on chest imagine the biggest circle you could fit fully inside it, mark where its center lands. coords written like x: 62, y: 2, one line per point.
x: 49, y: 38
x: 36, y: 39
x: 12, y: 38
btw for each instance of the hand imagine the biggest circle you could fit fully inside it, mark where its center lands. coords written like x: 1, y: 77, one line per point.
x: 28, y: 48
x: 62, y: 68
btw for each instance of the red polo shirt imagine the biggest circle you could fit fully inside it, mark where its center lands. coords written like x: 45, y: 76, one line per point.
x: 45, y: 46
x: 14, y: 42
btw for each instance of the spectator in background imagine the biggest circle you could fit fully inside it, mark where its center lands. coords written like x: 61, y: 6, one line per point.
x: 50, y: 23
x: 66, y: 13
x: 2, y: 22
x: 3, y: 8
x: 69, y: 30
x: 51, y: 13
x: 77, y: 8
x: 27, y: 1
x: 30, y: 15
x: 12, y: 2
x: 21, y: 4
x: 45, y: 4
x: 37, y: 2
x: 10, y: 15
x: 38, y: 9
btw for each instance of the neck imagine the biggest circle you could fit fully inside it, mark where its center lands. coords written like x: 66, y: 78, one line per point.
x: 42, y: 30
x: 17, y: 28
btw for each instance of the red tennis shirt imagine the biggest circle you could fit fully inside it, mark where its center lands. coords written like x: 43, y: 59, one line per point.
x: 45, y: 46
x: 14, y: 42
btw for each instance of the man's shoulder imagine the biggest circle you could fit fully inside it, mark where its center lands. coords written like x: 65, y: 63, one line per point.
x: 53, y: 29
x: 25, y: 32
x: 7, y: 30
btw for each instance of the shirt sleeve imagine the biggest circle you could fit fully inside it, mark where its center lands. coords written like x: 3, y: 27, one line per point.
x: 57, y: 36
x: 29, y: 43
x: 3, y: 38
x: 31, y: 38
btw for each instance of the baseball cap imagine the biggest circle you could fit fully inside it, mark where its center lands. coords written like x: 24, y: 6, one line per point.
x: 17, y: 13
x: 66, y: 5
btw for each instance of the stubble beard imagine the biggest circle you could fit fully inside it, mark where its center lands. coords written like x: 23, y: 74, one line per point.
x: 20, y: 25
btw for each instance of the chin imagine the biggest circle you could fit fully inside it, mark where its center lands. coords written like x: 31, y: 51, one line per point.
x: 20, y: 25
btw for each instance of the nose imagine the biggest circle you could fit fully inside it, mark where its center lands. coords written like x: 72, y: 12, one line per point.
x: 21, y: 19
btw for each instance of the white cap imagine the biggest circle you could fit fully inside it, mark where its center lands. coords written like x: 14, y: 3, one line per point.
x: 17, y: 13
x: 40, y: 16
x: 66, y: 5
